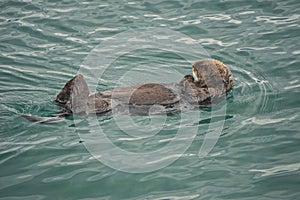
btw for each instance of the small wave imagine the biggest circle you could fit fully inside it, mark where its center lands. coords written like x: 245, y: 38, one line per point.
x: 252, y: 90
x: 282, y: 169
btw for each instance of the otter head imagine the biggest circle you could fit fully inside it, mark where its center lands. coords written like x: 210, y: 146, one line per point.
x: 212, y: 74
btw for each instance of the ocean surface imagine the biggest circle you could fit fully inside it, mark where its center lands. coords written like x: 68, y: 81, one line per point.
x: 247, y: 147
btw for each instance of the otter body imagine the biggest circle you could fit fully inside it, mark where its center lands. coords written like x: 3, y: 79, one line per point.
x: 208, y: 85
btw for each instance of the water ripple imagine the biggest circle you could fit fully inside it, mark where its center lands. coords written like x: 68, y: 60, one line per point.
x: 277, y: 170
x: 251, y: 89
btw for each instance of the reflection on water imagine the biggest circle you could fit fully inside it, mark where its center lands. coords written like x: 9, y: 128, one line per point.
x: 43, y: 44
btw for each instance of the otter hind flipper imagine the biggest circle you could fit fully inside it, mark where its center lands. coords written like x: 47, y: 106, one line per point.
x: 74, y: 95
x: 72, y: 99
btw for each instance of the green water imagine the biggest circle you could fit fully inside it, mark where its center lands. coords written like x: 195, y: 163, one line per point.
x: 45, y: 43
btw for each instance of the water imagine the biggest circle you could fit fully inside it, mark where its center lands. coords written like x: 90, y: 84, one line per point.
x: 44, y: 43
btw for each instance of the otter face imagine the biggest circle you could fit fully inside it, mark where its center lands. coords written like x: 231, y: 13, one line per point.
x: 213, y: 73
x: 228, y: 80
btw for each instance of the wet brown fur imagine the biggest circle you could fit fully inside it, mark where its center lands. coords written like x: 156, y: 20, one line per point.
x: 214, y: 80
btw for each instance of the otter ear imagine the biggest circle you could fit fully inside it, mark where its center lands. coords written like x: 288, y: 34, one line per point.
x: 74, y: 95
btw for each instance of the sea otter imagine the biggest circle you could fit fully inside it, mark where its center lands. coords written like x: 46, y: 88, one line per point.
x: 208, y: 85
